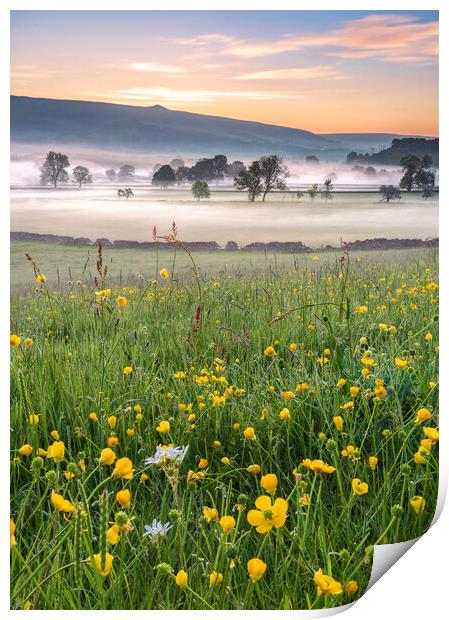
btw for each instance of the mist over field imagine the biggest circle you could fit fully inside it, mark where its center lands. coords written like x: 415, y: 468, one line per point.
x: 26, y: 160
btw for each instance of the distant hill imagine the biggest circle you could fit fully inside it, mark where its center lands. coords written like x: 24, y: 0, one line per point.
x: 156, y: 129
x: 400, y: 148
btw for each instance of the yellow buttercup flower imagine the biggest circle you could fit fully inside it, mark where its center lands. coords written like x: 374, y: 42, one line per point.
x: 56, y: 451
x: 256, y: 569
x: 122, y: 301
x: 341, y: 382
x: 284, y: 414
x: 123, y: 498
x: 338, y: 421
x: 210, y: 513
x: 112, y: 421
x: 181, y: 579
x: 26, y: 450
x: 104, y: 293
x: 351, y: 587
x: 359, y: 487
x: 104, y: 572
x: 400, y: 363
x: 227, y: 523
x: 107, y: 456
x: 422, y: 415
x: 269, y: 482
x: 14, y: 340
x: 163, y: 427
x: 127, y: 370
x: 318, y: 466
x: 326, y: 585
x: 215, y: 579
x: 61, y: 504
x: 93, y: 416
x: 268, y: 515
x: 431, y: 433
x: 203, y: 463
x: 249, y: 433
x: 253, y: 469
x: 40, y: 278
x: 12, y: 531
x: 269, y: 351
x: 373, y: 460
x: 418, y: 503
x: 123, y: 469
x: 29, y: 342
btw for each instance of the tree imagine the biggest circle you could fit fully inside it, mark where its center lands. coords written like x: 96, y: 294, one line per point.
x: 126, y: 171
x: 390, y: 192
x: 370, y: 171
x: 53, y: 170
x: 326, y: 192
x: 203, y: 169
x: 417, y: 172
x: 176, y: 163
x: 410, y: 165
x: 200, y: 189
x: 81, y: 175
x: 313, y: 191
x: 312, y: 159
x: 274, y: 173
x: 220, y: 163
x: 111, y: 174
x: 427, y: 193
x: 299, y: 195
x: 250, y: 180
x: 127, y: 192
x: 424, y: 178
x: 232, y: 170
x: 164, y: 177
x: 181, y: 174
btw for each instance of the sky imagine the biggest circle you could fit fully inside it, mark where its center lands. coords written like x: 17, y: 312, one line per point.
x: 324, y: 71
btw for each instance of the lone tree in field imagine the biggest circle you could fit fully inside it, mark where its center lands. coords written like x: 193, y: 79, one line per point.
x: 250, y: 180
x: 164, y: 177
x: 327, y: 191
x: 54, y: 170
x: 273, y: 173
x: 390, y: 192
x: 200, y: 189
x: 110, y: 173
x: 125, y: 193
x: 313, y: 191
x: 81, y: 175
x: 299, y: 195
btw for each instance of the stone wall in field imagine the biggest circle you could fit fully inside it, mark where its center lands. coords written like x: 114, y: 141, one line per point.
x: 272, y: 246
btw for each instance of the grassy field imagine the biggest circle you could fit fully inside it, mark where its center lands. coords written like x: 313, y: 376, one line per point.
x: 306, y: 392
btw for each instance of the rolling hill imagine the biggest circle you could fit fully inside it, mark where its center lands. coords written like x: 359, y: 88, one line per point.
x: 160, y: 130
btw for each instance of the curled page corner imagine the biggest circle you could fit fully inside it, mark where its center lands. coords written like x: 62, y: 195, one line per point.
x: 385, y: 556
